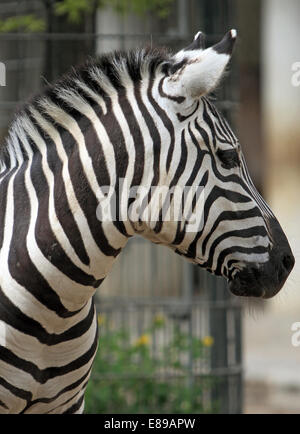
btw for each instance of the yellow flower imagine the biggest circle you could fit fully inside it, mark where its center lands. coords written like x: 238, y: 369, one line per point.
x: 101, y: 319
x: 159, y: 320
x: 142, y: 340
x: 208, y: 341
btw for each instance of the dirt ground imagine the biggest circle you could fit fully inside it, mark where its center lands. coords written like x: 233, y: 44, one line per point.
x: 260, y: 398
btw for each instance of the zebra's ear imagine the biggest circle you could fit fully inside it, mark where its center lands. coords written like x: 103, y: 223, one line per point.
x: 197, y: 71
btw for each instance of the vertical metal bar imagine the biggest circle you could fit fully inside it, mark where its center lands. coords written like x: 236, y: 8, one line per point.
x: 239, y: 358
x: 187, y: 294
x: 219, y: 355
x: 183, y: 28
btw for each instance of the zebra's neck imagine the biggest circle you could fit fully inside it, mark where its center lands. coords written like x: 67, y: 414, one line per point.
x: 55, y: 183
x: 65, y: 149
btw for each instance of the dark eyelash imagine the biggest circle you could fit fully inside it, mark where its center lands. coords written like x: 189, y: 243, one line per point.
x: 229, y: 158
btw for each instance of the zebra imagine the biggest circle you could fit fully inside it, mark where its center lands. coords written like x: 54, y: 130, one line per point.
x: 145, y: 116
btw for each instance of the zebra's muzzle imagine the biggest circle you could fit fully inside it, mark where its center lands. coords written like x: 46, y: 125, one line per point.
x: 246, y: 284
x: 264, y: 280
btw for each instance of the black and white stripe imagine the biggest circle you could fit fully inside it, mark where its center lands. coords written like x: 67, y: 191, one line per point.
x: 125, y: 115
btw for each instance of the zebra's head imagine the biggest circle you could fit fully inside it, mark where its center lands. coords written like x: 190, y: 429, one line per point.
x: 236, y: 235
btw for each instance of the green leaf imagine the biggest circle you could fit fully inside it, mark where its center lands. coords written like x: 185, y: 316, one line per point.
x: 23, y: 23
x: 73, y: 9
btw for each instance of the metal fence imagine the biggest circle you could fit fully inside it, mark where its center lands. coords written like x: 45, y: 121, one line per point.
x: 150, y: 284
x: 156, y: 311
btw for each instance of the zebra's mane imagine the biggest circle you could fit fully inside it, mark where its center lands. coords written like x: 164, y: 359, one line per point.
x: 110, y: 71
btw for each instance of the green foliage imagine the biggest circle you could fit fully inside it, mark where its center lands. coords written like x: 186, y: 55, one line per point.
x: 23, y: 23
x: 74, y: 11
x: 129, y: 377
x: 141, y: 7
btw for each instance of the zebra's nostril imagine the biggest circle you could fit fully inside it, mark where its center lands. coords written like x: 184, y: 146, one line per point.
x: 288, y: 262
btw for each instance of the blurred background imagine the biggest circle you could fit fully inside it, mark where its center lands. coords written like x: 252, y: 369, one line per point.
x: 172, y: 338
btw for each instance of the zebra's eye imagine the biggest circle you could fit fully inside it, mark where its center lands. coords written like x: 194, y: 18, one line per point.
x: 229, y: 158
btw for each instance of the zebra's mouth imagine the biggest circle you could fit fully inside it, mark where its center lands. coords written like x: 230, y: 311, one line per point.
x: 246, y: 288
x: 264, y: 280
